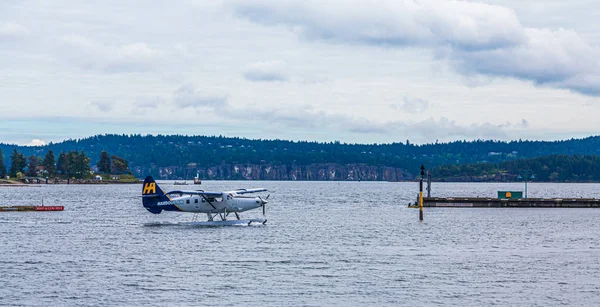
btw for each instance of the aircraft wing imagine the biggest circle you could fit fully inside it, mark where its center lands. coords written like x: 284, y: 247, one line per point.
x: 214, y: 194
x: 247, y: 191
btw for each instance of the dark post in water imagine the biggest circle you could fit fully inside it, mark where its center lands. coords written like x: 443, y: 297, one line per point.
x: 428, y: 184
x: 421, y: 193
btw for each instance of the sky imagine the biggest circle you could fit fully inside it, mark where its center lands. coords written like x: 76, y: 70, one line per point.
x: 330, y: 70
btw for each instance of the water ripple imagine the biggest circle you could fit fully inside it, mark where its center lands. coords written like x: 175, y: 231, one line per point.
x: 326, y: 243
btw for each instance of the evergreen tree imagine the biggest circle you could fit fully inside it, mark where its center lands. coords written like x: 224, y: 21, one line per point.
x: 82, y: 165
x: 2, y: 165
x: 104, y: 163
x: 62, y: 165
x: 49, y: 164
x: 72, y: 164
x: 17, y: 163
x: 32, y: 167
x: 119, y: 165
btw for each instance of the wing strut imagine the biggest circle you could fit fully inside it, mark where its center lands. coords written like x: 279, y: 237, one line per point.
x: 223, y: 216
x: 208, y: 201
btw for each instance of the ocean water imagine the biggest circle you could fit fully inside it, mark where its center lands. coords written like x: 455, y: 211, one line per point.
x: 325, y: 244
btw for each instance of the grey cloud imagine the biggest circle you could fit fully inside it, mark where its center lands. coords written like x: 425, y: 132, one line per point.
x: 187, y: 96
x: 265, y: 71
x: 306, y: 117
x: 103, y: 106
x: 465, y: 25
x: 476, y: 38
x: 523, y: 123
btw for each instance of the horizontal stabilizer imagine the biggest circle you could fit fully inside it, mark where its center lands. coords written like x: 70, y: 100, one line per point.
x: 247, y: 191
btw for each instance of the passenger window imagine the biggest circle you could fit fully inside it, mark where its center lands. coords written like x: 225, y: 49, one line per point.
x: 196, y: 200
x: 187, y: 201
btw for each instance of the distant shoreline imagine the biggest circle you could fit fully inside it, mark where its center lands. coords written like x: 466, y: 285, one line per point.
x: 14, y: 183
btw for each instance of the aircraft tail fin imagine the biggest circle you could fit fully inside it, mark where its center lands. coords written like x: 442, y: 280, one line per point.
x: 152, y: 194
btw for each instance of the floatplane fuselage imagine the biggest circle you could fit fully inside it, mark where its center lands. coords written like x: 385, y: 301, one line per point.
x: 213, y: 204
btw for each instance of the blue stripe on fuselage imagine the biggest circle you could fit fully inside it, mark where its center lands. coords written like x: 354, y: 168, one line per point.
x: 167, y: 206
x: 170, y: 208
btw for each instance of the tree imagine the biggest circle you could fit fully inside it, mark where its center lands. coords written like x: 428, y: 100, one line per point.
x: 73, y: 167
x: 32, y: 167
x: 49, y: 164
x: 119, y: 165
x: 2, y: 165
x: 62, y: 165
x: 81, y: 165
x: 104, y: 163
x: 17, y: 163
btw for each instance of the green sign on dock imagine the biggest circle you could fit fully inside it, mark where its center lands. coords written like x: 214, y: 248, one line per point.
x: 510, y: 194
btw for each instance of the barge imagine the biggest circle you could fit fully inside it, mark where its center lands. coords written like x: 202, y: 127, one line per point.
x: 31, y: 208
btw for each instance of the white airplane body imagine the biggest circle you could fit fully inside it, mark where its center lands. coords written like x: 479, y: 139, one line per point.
x: 213, y: 204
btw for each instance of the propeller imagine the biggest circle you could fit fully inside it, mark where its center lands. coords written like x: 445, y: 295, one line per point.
x: 263, y: 202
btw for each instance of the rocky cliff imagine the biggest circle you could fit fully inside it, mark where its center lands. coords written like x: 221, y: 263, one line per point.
x: 324, y: 172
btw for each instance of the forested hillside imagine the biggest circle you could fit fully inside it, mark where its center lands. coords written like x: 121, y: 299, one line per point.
x: 554, y: 168
x: 181, y: 157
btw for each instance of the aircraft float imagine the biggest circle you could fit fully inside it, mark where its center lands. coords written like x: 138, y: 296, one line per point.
x: 216, y: 205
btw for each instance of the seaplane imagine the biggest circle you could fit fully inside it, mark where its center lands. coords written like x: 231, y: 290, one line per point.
x: 216, y: 205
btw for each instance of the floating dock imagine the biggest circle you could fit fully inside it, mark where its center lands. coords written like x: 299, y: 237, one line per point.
x: 505, y: 199
x: 32, y: 208
x: 484, y: 202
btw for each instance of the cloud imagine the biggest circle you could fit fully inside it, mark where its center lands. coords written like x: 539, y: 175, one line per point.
x: 306, y: 117
x: 557, y: 58
x: 476, y: 38
x: 148, y: 102
x: 523, y: 123
x: 92, y: 55
x: 412, y: 105
x: 144, y: 104
x: 446, y: 129
x: 265, y: 71
x: 36, y: 142
x: 187, y: 96
x: 303, y: 116
x: 12, y: 31
x: 466, y: 25
x: 103, y: 106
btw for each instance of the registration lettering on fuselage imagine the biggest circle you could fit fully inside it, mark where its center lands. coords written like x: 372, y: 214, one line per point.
x: 168, y: 203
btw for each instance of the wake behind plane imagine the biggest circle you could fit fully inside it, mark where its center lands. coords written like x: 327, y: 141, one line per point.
x: 216, y: 205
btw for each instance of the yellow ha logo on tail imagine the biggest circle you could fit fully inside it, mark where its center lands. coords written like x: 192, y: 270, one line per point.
x: 149, y: 188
